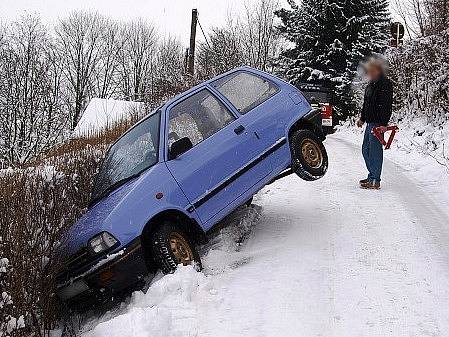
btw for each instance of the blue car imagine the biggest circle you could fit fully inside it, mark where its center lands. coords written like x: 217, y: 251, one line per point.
x: 173, y: 176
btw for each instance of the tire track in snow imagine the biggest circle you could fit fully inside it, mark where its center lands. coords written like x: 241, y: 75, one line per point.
x: 330, y: 259
x: 404, y: 248
x: 423, y: 210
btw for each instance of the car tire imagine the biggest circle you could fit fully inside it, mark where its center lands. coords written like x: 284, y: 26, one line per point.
x: 309, y: 156
x: 171, y: 246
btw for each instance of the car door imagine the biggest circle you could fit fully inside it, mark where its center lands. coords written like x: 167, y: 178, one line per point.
x: 217, y: 169
x: 254, y: 99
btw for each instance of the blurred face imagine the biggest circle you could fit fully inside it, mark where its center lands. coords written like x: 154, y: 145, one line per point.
x: 373, y: 72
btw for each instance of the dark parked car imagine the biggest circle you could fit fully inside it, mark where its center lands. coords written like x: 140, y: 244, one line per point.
x: 321, y: 97
x: 182, y: 169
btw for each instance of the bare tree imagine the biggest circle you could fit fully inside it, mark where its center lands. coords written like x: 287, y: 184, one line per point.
x: 80, y: 46
x: 137, y: 59
x: 222, y: 51
x: 106, y: 84
x: 251, y: 40
x: 169, y: 60
x: 438, y: 15
x: 2, y: 36
x: 31, y: 114
x: 260, y: 38
x: 423, y: 17
x: 169, y: 67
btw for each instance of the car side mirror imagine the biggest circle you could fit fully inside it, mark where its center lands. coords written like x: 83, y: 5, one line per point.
x: 179, y: 147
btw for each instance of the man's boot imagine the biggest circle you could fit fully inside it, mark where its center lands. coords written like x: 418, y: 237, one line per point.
x: 364, y: 181
x: 371, y: 185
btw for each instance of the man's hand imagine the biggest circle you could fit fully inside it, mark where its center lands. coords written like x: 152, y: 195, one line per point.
x: 360, y: 123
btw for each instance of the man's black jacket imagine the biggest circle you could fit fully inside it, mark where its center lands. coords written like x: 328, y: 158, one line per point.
x: 378, y: 103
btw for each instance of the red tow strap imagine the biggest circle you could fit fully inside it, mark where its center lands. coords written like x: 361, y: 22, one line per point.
x: 379, y: 133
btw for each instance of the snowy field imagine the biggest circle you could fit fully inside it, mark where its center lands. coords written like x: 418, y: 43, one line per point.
x: 310, y: 259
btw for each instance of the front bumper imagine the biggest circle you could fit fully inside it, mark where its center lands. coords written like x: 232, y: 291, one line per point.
x: 114, y: 273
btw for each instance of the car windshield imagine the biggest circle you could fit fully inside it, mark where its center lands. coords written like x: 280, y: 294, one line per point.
x: 135, y: 152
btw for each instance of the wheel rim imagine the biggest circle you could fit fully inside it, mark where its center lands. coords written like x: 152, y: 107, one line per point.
x: 311, y: 153
x: 181, y: 249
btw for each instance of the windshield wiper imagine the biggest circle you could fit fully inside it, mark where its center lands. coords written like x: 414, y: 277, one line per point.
x: 112, y: 188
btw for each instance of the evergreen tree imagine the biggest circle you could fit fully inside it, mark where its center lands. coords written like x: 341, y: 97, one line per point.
x: 328, y: 40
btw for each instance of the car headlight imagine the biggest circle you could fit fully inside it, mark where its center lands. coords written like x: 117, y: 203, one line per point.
x: 101, y: 242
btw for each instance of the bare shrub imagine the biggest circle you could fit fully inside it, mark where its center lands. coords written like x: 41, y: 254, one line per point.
x: 38, y: 203
x: 420, y: 73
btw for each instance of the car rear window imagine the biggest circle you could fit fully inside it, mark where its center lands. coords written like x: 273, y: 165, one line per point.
x: 244, y: 90
x: 316, y: 97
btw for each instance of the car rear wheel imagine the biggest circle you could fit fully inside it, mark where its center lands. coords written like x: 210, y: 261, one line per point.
x: 171, y: 246
x: 309, y: 156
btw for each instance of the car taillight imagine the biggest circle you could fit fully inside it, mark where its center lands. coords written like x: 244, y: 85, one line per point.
x: 326, y: 111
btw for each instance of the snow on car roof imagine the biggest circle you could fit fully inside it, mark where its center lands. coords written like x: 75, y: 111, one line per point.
x: 101, y: 113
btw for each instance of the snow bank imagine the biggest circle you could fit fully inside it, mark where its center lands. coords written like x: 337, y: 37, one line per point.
x: 101, y: 113
x: 175, y: 304
x: 222, y: 253
x: 168, y: 309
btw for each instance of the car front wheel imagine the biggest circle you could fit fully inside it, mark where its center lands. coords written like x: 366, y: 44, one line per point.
x: 171, y: 246
x: 309, y: 156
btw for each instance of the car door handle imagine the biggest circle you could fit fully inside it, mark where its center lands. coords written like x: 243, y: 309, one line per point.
x: 239, y: 129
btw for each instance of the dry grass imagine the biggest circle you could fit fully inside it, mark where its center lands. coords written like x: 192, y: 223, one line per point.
x: 38, y: 203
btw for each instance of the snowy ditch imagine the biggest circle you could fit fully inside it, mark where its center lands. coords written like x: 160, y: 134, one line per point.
x: 168, y: 307
x: 314, y: 261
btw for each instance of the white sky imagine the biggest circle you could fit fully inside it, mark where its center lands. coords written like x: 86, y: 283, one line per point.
x: 169, y: 16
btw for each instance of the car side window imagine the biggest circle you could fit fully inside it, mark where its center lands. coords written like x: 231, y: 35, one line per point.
x: 198, y: 117
x: 244, y: 90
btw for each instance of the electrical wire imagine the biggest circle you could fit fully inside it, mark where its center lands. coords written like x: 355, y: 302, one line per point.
x: 202, y: 31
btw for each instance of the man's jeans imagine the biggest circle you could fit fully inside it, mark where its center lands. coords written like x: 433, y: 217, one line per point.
x: 373, y: 153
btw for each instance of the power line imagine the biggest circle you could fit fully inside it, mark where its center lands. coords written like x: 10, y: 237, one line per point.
x: 202, y: 31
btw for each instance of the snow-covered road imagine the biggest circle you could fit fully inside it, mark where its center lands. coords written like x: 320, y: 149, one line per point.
x: 321, y: 259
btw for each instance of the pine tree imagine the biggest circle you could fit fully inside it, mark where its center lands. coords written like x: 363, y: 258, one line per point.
x: 328, y: 40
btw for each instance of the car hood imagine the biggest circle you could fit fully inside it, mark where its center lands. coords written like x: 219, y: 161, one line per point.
x: 94, y: 220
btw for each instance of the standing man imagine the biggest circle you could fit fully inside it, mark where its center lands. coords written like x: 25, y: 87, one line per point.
x: 377, y: 109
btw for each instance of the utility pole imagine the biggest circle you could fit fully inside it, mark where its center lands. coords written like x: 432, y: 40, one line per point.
x: 191, y: 68
x: 186, y: 60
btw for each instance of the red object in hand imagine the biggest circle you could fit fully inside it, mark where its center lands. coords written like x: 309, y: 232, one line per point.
x: 379, y: 133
